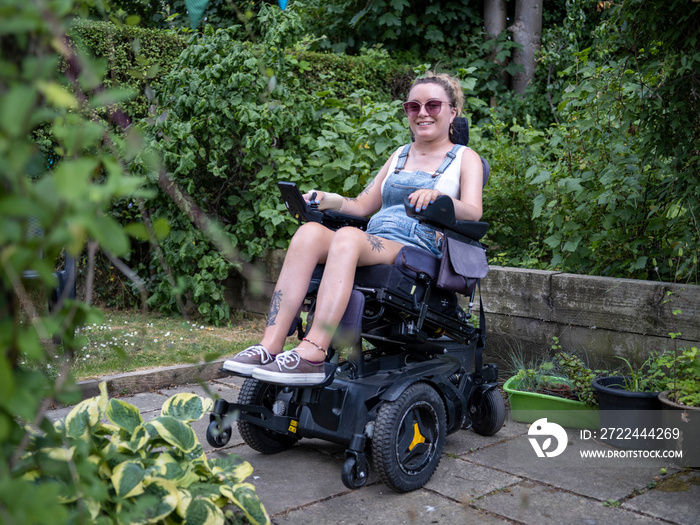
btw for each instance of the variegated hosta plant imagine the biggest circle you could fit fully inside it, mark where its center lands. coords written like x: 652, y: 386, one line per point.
x: 130, y: 471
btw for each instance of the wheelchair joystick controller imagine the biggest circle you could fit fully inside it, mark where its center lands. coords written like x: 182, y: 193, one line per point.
x: 312, y: 202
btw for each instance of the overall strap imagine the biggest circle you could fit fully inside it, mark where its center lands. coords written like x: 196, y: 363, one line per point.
x: 451, y: 155
x: 403, y: 156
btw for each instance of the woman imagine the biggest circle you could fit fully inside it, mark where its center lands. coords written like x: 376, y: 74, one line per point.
x: 429, y: 167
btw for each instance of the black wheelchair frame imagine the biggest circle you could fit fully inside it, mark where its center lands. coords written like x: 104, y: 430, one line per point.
x: 393, y: 403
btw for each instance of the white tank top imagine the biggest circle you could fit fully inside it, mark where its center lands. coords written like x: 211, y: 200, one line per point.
x: 449, y: 181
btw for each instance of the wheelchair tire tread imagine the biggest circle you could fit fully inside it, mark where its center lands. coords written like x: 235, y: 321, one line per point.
x: 386, y: 430
x: 254, y: 392
x: 492, y: 416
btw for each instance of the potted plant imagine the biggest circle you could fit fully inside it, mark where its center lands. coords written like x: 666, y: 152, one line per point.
x: 629, y: 400
x: 679, y: 372
x: 558, y: 388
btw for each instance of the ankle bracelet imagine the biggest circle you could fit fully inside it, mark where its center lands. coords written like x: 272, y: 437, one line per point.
x: 317, y: 346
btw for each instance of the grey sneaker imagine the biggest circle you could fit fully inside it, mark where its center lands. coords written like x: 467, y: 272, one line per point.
x: 249, y: 359
x: 291, y: 369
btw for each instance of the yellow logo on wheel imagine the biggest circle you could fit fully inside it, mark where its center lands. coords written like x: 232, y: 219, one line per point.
x: 417, y: 437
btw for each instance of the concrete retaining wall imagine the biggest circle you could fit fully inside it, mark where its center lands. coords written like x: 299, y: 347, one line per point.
x: 525, y: 309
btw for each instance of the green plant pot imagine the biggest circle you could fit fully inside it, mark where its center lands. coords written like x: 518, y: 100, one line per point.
x: 528, y: 407
x: 687, y: 420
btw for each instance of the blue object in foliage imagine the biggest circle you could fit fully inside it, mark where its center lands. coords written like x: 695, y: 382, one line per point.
x: 195, y: 8
x: 282, y: 3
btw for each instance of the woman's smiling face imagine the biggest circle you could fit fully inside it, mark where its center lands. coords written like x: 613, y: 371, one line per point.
x: 423, y: 125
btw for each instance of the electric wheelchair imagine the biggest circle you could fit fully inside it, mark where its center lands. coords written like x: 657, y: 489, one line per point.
x: 414, y: 372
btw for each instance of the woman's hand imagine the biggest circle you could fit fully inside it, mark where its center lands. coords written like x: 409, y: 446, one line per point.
x: 314, y: 197
x: 324, y: 200
x: 420, y: 199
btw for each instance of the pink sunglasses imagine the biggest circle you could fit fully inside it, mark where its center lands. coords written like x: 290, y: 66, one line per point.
x: 432, y: 107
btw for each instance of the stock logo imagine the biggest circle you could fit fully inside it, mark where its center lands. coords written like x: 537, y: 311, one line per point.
x: 550, y: 431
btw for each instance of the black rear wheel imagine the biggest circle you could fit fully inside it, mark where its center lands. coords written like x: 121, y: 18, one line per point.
x: 254, y: 392
x: 409, y: 435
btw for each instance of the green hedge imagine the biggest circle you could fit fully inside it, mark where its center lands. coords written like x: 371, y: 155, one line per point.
x: 131, y: 57
x: 139, y: 58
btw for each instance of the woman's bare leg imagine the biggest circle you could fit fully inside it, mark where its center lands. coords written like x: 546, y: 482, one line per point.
x: 349, y: 249
x: 308, y: 247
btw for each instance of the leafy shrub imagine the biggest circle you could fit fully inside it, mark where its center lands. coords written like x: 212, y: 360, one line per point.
x: 679, y: 372
x: 511, y: 151
x: 349, y: 25
x: 68, y: 205
x: 132, y: 471
x: 620, y: 198
x: 236, y: 119
x: 130, y: 58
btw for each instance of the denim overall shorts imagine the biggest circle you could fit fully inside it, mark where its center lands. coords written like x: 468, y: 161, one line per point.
x: 391, y: 221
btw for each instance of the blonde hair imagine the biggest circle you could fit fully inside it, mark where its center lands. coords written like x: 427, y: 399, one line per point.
x: 450, y: 84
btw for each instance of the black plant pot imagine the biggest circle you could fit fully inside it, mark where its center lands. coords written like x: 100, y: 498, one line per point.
x: 623, y: 411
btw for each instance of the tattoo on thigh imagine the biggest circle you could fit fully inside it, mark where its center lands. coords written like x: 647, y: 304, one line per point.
x: 375, y: 242
x: 274, y: 308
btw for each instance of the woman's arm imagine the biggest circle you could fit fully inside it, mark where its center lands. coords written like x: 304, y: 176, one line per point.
x: 469, y: 207
x: 366, y: 203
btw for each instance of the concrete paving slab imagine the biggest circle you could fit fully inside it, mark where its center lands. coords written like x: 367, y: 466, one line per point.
x: 676, y: 497
x: 207, y: 390
x: 464, y: 441
x: 59, y: 413
x: 333, y: 450
x: 531, y: 503
x: 464, y: 481
x: 148, y: 402
x: 378, y: 504
x: 592, y: 478
x: 294, y: 478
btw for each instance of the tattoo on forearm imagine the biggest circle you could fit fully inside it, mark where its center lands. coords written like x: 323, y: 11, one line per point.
x: 375, y: 242
x: 369, y: 187
x: 274, y: 308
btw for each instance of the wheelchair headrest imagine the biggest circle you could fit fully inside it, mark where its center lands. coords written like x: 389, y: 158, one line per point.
x: 459, y: 132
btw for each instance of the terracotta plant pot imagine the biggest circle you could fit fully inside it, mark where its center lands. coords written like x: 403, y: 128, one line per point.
x: 687, y: 420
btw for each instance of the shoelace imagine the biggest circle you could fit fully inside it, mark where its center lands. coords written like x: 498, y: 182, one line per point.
x: 288, y: 360
x: 256, y: 350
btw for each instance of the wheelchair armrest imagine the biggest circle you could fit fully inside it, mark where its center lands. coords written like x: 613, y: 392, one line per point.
x: 335, y: 220
x: 441, y: 215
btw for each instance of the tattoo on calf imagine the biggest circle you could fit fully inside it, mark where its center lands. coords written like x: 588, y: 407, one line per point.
x: 274, y: 308
x: 375, y: 242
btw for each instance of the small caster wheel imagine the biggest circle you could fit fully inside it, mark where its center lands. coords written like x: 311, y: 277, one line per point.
x: 487, y: 412
x: 218, y: 436
x: 355, y: 472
